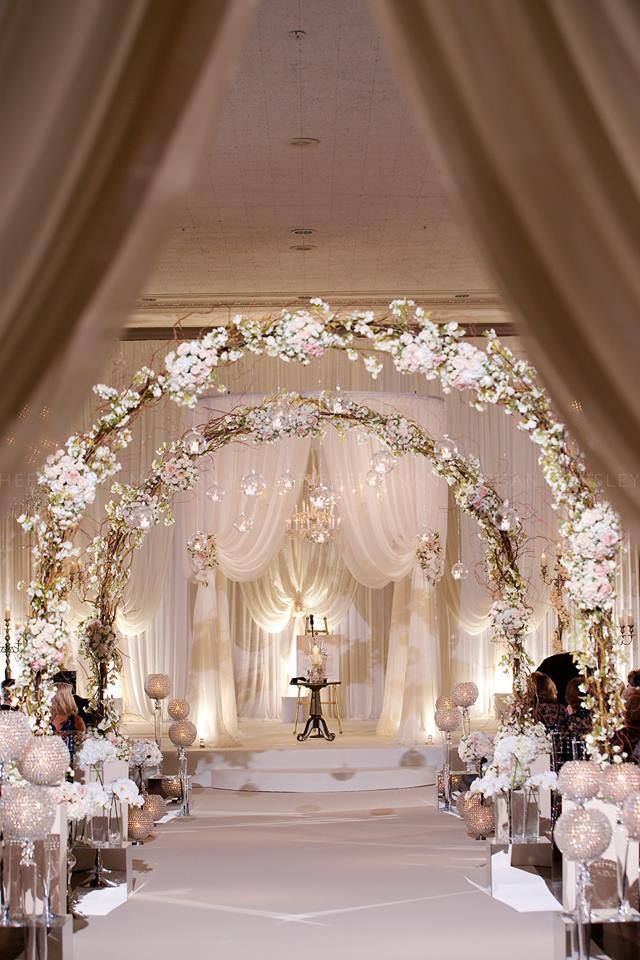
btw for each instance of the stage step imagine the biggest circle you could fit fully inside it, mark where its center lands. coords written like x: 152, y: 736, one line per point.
x: 313, y: 767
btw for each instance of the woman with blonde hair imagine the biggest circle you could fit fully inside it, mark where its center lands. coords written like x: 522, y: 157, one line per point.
x: 64, y: 716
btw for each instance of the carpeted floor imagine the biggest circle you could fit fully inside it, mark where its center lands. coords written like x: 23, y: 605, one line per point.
x: 364, y: 876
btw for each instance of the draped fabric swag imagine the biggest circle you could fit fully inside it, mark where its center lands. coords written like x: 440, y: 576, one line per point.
x: 535, y: 109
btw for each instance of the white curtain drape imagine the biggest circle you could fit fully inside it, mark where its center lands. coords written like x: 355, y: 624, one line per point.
x: 105, y: 109
x: 379, y: 543
x: 535, y: 108
x: 303, y: 576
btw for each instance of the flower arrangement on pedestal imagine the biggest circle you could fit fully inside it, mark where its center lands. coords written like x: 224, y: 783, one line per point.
x: 144, y: 754
x: 429, y: 557
x: 509, y: 778
x: 415, y: 345
x: 204, y: 555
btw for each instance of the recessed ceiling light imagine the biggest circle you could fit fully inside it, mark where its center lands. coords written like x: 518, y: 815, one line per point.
x: 302, y: 247
x: 304, y: 142
x: 302, y: 231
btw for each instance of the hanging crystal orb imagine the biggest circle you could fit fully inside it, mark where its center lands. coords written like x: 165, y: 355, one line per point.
x: 286, y: 482
x: 374, y: 479
x: 138, y: 515
x: 253, y: 484
x: 193, y: 443
x: 459, y: 571
x: 505, y: 517
x: 445, y: 449
x: 383, y: 462
x: 215, y: 492
x: 243, y: 523
x: 361, y: 437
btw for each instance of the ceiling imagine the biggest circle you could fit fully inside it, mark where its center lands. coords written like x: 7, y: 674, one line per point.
x: 372, y: 190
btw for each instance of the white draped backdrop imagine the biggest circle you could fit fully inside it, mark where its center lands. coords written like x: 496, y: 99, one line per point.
x: 229, y: 645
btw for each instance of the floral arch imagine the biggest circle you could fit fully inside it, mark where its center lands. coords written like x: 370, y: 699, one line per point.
x: 292, y: 415
x: 416, y: 345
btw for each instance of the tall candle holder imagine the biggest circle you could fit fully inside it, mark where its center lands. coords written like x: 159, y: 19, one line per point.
x: 157, y: 687
x: 447, y: 720
x: 620, y: 781
x: 582, y: 835
x: 464, y: 695
x: 182, y: 734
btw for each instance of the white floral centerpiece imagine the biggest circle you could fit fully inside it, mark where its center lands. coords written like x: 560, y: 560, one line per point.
x: 145, y: 754
x: 475, y: 748
x: 95, y: 752
x: 509, y: 779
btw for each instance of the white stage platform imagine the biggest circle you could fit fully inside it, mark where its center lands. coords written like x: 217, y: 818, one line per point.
x: 270, y: 759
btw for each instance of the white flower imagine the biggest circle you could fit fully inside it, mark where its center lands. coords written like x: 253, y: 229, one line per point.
x: 145, y: 753
x: 126, y: 791
x: 95, y: 750
x: 96, y: 797
x: 547, y: 780
x: 475, y: 747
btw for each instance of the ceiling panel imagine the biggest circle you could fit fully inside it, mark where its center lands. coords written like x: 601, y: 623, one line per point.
x: 372, y: 191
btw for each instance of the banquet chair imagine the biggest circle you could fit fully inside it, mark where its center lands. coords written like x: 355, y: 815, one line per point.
x: 332, y: 702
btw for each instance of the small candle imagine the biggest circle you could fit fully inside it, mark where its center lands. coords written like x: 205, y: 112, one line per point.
x: 7, y: 613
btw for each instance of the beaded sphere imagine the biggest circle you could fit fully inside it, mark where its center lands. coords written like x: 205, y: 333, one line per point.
x: 157, y: 686
x: 171, y: 788
x: 140, y: 823
x: 15, y: 734
x: 182, y: 733
x: 480, y: 820
x: 465, y: 694
x: 448, y: 720
x: 631, y: 815
x: 178, y: 709
x: 618, y: 781
x: 45, y: 761
x: 155, y: 806
x: 579, y: 780
x: 463, y: 804
x: 582, y: 834
x: 445, y: 702
x: 27, y: 812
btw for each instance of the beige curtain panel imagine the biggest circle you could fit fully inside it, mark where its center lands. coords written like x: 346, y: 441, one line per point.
x: 535, y: 107
x: 105, y: 105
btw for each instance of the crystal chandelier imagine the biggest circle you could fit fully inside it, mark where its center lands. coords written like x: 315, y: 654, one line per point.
x: 315, y: 519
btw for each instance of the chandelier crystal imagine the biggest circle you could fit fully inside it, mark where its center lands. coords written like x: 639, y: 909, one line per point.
x: 315, y: 519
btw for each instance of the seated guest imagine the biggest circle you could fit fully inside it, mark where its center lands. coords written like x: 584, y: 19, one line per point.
x: 578, y: 720
x: 83, y: 705
x: 543, y: 698
x: 633, y: 683
x: 64, y: 716
x: 628, y: 736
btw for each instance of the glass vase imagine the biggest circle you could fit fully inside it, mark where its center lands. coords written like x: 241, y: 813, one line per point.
x: 114, y: 822
x: 518, y: 816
